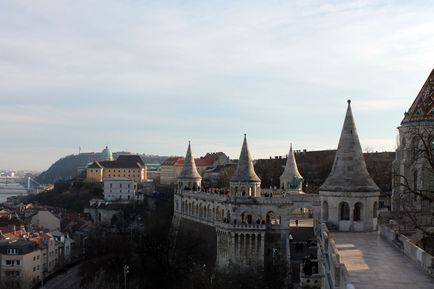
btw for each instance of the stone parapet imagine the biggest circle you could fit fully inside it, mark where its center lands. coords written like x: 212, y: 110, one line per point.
x: 408, y: 248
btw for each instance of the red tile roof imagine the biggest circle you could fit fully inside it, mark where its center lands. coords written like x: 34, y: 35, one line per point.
x: 423, y: 106
x: 208, y: 160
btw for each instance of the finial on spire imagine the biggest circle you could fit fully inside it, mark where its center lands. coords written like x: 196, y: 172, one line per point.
x: 349, y: 101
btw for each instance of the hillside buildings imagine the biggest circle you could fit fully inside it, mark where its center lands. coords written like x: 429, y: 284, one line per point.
x: 171, y: 168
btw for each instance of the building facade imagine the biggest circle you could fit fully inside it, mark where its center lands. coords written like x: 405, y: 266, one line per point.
x: 253, y: 225
x: 119, y: 189
x: 413, y: 169
x: 125, y: 166
x: 20, y: 263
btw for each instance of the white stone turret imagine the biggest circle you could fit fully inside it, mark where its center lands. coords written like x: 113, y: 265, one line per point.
x: 189, y: 177
x: 349, y: 196
x: 245, y: 182
x: 291, y: 178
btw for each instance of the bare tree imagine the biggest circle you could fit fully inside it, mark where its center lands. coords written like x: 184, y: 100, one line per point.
x: 414, y: 183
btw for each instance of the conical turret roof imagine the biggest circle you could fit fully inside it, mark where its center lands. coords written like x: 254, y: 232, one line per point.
x: 245, y: 171
x: 291, y: 169
x: 349, y: 173
x: 189, y: 170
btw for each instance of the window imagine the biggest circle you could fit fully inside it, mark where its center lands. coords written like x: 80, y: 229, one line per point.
x: 358, y: 212
x: 37, y: 257
x: 8, y: 262
x: 344, y: 211
x: 12, y: 251
x: 18, y: 262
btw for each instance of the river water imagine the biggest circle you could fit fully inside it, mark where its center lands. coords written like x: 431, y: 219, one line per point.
x: 9, y: 189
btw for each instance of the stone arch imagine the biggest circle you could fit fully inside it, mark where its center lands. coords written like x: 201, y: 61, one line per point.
x: 358, y: 212
x: 374, y: 210
x: 272, y: 218
x: 344, y: 211
x: 325, y: 211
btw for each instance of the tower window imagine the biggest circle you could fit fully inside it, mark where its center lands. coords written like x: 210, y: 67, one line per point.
x: 344, y: 211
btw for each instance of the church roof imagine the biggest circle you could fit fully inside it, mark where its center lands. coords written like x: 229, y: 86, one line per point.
x: 189, y: 170
x: 422, y: 108
x: 349, y: 172
x: 245, y: 171
x: 291, y: 169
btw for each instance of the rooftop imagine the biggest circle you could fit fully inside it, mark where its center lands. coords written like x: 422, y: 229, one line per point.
x: 372, y: 263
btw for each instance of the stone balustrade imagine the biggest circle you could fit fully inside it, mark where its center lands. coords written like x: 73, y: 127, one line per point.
x: 336, y: 274
x: 422, y: 258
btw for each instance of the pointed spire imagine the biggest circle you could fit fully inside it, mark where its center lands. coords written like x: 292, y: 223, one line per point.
x: 189, y: 170
x: 291, y: 170
x: 245, y: 171
x: 349, y: 172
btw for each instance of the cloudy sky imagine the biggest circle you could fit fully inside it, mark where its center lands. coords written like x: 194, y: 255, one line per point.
x: 147, y: 76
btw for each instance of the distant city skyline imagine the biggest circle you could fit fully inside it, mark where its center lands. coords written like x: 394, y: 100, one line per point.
x: 148, y: 76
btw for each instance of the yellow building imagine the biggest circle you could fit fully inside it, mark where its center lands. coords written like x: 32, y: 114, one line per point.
x: 125, y: 166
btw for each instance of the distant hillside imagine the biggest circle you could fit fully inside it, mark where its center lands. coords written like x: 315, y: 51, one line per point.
x: 315, y: 166
x: 67, y: 167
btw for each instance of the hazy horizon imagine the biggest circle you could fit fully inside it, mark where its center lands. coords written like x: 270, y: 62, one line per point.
x: 149, y: 76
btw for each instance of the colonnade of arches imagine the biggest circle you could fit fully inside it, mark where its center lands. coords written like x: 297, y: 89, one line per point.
x: 242, y: 246
x: 344, y: 211
x: 210, y: 212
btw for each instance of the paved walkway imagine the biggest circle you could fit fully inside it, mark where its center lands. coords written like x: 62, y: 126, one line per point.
x: 374, y: 263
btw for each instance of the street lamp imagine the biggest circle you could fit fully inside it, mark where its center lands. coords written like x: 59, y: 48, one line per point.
x: 126, y: 271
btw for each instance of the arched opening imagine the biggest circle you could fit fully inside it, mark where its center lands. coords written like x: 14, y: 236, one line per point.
x: 344, y: 211
x: 358, y: 212
x: 325, y: 211
x: 272, y: 218
x: 301, y: 217
x: 374, y: 210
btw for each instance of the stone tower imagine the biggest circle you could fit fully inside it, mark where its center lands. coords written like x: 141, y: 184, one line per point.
x: 349, y: 196
x: 189, y: 178
x: 415, y: 148
x: 291, y: 179
x: 245, y: 182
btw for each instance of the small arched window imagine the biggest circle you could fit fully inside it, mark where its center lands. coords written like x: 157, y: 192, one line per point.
x: 358, y: 212
x: 325, y: 211
x: 374, y: 210
x: 344, y: 211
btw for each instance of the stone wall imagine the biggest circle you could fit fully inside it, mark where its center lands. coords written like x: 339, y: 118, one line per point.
x: 415, y: 253
x: 335, y: 273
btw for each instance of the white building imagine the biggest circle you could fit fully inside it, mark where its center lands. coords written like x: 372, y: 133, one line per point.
x: 119, y: 189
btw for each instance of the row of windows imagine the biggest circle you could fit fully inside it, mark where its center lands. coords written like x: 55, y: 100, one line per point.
x: 12, y: 251
x: 98, y: 170
x: 120, y: 186
x: 13, y: 262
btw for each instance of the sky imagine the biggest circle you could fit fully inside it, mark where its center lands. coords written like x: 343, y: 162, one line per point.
x: 148, y: 76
